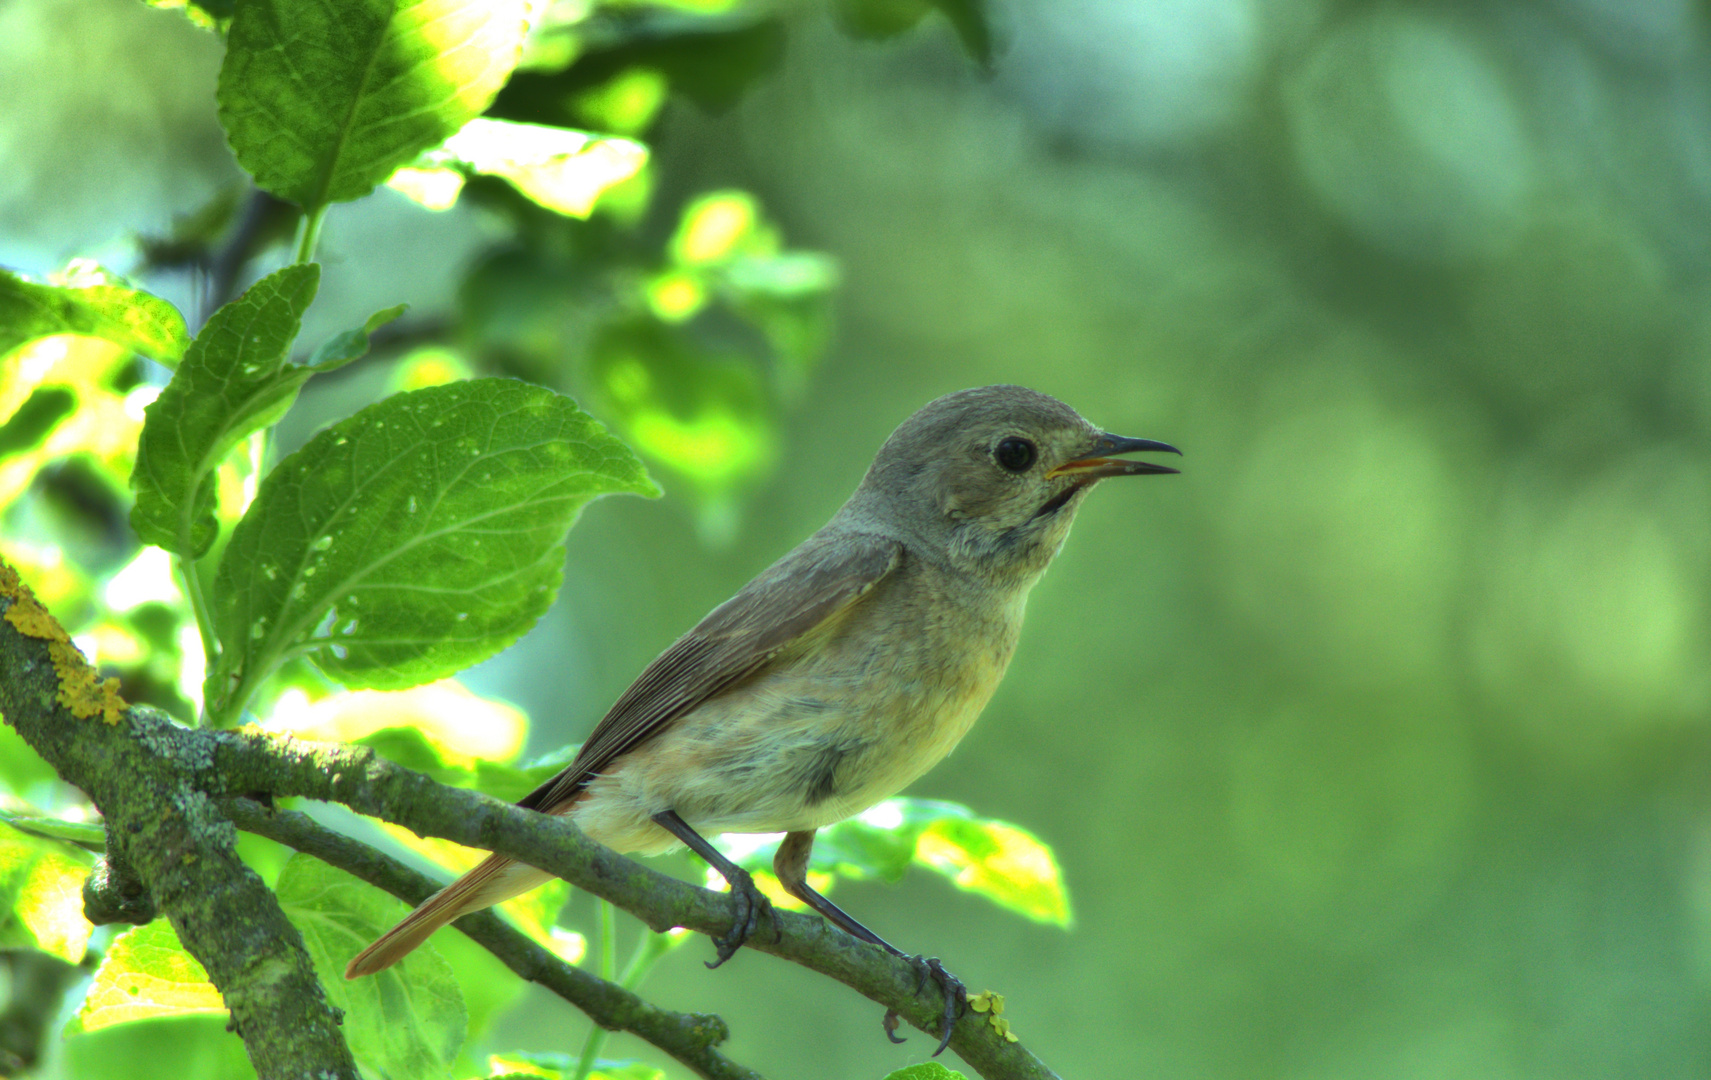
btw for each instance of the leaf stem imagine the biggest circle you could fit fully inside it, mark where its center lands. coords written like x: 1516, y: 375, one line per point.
x: 596, y: 1040
x: 311, y: 234
x: 190, y: 581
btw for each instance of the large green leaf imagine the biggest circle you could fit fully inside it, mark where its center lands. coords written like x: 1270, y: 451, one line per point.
x: 418, y: 537
x: 321, y: 102
x: 89, y: 304
x: 404, y: 1023
x: 234, y: 380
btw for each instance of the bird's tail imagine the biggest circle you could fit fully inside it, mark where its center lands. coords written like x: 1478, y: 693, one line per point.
x: 496, y: 880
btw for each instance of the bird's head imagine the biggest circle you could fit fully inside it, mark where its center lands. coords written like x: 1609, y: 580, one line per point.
x: 990, y: 478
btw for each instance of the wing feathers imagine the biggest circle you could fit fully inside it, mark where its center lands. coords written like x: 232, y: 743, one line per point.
x: 799, y: 592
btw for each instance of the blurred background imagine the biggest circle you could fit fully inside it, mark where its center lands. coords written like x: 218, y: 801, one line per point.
x: 1375, y: 745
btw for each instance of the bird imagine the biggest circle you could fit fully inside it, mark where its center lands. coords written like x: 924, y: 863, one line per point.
x: 839, y: 675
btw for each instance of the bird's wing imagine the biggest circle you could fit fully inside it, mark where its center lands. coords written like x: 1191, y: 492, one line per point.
x: 801, y: 591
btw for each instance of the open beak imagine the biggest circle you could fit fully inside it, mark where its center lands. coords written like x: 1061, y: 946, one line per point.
x: 1097, y: 465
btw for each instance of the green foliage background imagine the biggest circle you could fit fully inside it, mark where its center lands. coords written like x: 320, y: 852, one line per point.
x: 1375, y: 745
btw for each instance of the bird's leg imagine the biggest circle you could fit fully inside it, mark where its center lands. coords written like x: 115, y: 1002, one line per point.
x: 747, y: 901
x: 791, y: 866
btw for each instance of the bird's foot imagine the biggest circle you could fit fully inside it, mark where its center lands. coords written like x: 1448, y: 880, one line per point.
x: 956, y: 999
x: 747, y: 904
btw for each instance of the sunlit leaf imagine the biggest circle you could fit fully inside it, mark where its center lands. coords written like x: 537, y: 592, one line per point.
x: 627, y: 103
x: 1001, y: 862
x: 417, y: 537
x: 146, y: 974
x: 41, y: 896
x: 91, y: 305
x: 563, y: 170
x: 235, y: 379
x: 405, y: 1022
x: 430, y: 365
x: 1006, y: 864
x: 458, y: 726
x: 101, y: 432
x: 432, y: 188
x: 321, y: 102
x: 718, y: 226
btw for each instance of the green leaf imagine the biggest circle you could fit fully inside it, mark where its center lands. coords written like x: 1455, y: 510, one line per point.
x: 926, y: 1070
x: 234, y: 380
x: 418, y: 537
x: 704, y: 413
x: 321, y: 102
x: 36, y: 418
x: 41, y: 896
x: 90, y: 305
x: 563, y: 170
x: 403, y: 1023
x: 88, y: 835
x: 341, y: 349
x: 1002, y: 862
x: 146, y: 974
x: 1005, y: 864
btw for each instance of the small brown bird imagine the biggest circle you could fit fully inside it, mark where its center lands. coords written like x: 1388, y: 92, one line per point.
x: 844, y: 671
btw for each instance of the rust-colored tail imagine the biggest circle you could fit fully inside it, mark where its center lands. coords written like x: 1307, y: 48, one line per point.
x: 494, y: 881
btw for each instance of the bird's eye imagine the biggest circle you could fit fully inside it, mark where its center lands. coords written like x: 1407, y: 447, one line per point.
x: 1016, y: 454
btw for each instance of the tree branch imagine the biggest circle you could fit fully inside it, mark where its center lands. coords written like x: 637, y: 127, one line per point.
x: 171, y: 836
x: 369, y: 784
x: 688, y: 1037
x: 154, y: 779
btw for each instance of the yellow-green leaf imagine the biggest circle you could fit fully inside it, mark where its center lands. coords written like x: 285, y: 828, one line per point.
x: 1006, y: 864
x: 146, y: 973
x: 41, y: 896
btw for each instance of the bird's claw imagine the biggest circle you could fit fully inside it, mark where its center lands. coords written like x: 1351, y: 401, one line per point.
x: 747, y: 904
x: 956, y: 999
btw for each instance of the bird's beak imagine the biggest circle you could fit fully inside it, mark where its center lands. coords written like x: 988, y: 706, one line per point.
x: 1096, y: 464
